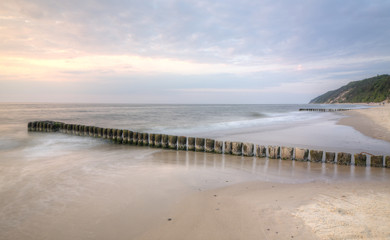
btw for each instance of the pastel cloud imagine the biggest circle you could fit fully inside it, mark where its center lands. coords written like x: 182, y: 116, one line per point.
x: 192, y: 45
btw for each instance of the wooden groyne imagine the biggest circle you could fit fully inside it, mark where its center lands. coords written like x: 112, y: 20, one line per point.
x: 124, y: 136
x: 324, y: 109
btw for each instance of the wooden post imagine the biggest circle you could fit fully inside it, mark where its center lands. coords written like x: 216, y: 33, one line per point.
x: 210, y: 145
x: 247, y: 149
x: 344, y: 158
x: 199, y: 144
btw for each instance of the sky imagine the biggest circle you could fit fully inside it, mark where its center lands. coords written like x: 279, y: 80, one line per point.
x: 188, y: 51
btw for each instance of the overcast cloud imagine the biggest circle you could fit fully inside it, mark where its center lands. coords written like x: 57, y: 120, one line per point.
x: 188, y: 51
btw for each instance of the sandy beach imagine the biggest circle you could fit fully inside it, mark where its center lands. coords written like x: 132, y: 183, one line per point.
x: 373, y: 122
x: 59, y: 186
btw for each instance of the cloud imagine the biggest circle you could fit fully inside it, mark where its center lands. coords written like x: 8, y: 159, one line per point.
x: 255, y: 43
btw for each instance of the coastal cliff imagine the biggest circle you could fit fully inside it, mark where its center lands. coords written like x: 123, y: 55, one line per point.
x: 375, y: 89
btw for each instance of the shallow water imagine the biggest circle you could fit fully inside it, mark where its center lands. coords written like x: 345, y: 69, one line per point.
x: 57, y: 186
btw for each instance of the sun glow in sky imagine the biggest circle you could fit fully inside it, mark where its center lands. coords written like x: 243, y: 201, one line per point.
x: 196, y: 51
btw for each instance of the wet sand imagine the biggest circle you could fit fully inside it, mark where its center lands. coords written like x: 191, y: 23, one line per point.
x: 373, y: 122
x: 109, y: 191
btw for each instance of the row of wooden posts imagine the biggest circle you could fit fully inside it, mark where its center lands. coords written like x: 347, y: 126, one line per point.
x: 121, y: 136
x: 324, y: 109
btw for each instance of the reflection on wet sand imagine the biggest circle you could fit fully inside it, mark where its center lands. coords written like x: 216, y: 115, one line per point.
x: 278, y: 170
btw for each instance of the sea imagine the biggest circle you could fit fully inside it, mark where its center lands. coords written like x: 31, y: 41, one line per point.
x: 59, y: 186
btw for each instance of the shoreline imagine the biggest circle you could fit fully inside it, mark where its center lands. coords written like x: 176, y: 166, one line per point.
x: 372, y: 122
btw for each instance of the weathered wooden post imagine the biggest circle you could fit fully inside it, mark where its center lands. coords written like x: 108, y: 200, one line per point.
x: 130, y: 138
x: 273, y: 152
x: 69, y: 129
x: 110, y: 133
x: 164, y: 141
x: 104, y: 133
x: 172, y: 142
x: 145, y: 139
x: 34, y: 126
x: 301, y: 154
x: 96, y: 132
x: 360, y: 159
x: 344, y: 158
x: 152, y: 136
x: 219, y: 147
x: 228, y: 147
x: 119, y: 136
x: 237, y: 148
x: 286, y: 153
x: 29, y: 126
x: 157, y: 140
x: 140, y: 139
x: 261, y: 151
x: 377, y: 161
x: 81, y: 130
x: 316, y: 156
x: 330, y: 157
x: 210, y: 145
x: 135, y: 138
x: 91, y: 131
x: 99, y: 132
x: 247, y: 149
x: 199, y: 144
x: 125, y: 136
x: 182, y: 143
x: 191, y: 144
x: 387, y: 161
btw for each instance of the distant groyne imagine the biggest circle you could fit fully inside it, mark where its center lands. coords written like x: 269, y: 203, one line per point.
x: 183, y: 143
x: 324, y: 109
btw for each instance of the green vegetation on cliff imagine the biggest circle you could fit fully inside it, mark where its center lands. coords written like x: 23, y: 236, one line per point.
x: 375, y: 89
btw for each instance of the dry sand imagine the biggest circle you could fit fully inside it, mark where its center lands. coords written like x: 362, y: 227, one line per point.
x: 373, y: 122
x: 260, y: 210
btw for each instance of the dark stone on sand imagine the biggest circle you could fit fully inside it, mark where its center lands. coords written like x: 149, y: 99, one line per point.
x: 316, y: 156
x: 172, y: 142
x: 273, y: 152
x: 191, y: 144
x: 182, y: 143
x: 377, y: 161
x: 344, y: 158
x: 247, y: 149
x: 210, y: 145
x: 199, y: 144
x: 237, y: 148
x: 228, y: 147
x: 218, y: 147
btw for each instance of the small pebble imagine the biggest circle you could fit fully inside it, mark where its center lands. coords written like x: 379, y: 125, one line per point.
x: 169, y: 219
